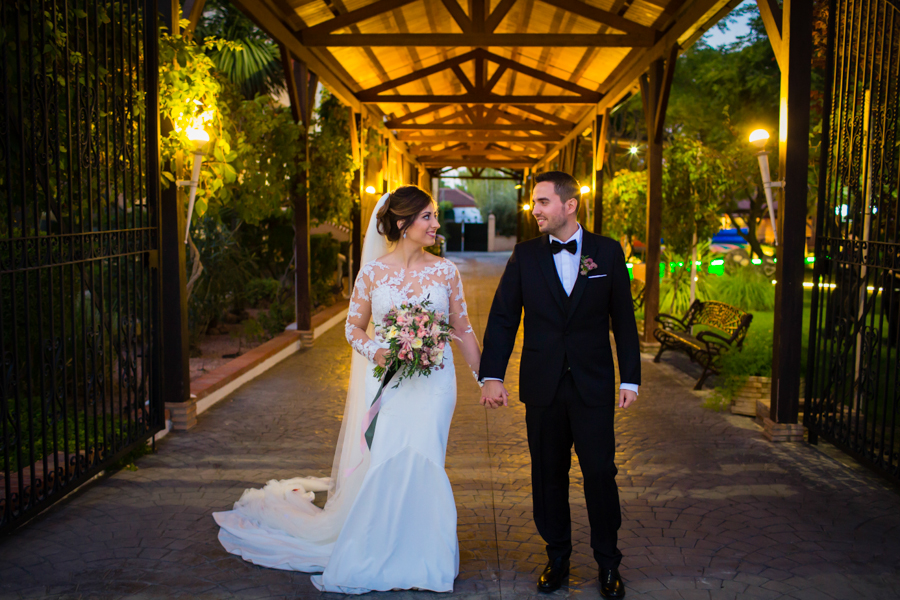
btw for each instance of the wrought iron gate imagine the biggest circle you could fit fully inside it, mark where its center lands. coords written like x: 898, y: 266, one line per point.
x: 853, y: 375
x: 78, y: 242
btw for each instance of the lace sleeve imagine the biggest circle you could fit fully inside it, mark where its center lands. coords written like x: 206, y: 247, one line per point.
x: 358, y: 316
x: 463, y: 333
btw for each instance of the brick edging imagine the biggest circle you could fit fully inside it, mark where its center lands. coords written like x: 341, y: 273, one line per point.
x: 217, y: 384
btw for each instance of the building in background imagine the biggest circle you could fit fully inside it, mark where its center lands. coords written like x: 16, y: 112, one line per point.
x: 465, y: 209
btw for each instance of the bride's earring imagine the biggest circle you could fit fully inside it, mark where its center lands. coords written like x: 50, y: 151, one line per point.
x: 404, y: 234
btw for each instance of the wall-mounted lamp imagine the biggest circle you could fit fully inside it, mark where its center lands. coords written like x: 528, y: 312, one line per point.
x: 370, y: 189
x: 585, y: 189
x: 633, y: 150
x: 759, y: 138
x: 200, y: 138
x: 526, y: 206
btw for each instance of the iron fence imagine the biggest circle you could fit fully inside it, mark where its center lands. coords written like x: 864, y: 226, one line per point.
x: 78, y: 239
x: 853, y: 379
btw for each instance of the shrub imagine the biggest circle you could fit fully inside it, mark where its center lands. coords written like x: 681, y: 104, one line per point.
x: 754, y: 360
x: 261, y: 290
x: 747, y: 288
x: 274, y: 320
x: 323, y: 265
x: 227, y: 268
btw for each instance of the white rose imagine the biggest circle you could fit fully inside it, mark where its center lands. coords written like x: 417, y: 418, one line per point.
x: 392, y: 333
x: 417, y: 343
x: 438, y: 357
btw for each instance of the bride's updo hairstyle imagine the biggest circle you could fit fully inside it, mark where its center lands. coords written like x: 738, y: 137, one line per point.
x: 404, y: 204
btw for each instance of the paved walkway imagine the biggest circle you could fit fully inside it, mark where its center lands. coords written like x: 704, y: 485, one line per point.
x: 710, y: 510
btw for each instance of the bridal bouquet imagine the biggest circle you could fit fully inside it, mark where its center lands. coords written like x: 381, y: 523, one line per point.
x: 417, y: 338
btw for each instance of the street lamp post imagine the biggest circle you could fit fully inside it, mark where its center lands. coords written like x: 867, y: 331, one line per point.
x: 759, y: 138
x: 200, y: 138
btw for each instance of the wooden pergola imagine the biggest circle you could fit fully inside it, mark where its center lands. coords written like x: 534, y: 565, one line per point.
x: 508, y: 84
x: 516, y: 85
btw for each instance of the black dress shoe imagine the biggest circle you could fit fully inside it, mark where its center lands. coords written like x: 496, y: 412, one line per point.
x: 611, y: 585
x: 552, y: 577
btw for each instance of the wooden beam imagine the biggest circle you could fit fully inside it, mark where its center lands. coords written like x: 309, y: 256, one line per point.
x: 601, y: 16
x: 479, y: 127
x: 663, y: 102
x: 485, y: 152
x: 462, y: 78
x: 498, y: 15
x: 538, y: 74
x: 465, y: 25
x: 456, y: 40
x: 489, y: 86
x: 266, y: 20
x: 477, y: 11
x: 406, y: 137
x: 192, y: 11
x: 490, y: 164
x: 544, y: 115
x: 772, y: 18
x: 353, y: 17
x: 419, y: 74
x: 477, y: 98
x: 419, y: 113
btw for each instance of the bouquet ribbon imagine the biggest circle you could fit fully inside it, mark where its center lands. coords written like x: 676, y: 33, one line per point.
x: 368, y: 428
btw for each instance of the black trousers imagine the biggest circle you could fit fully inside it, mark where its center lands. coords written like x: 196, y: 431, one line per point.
x: 552, y: 430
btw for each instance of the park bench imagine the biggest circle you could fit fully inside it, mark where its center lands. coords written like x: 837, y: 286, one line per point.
x: 637, y: 294
x: 706, y: 346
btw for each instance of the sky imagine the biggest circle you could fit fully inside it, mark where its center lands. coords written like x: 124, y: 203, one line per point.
x: 715, y: 37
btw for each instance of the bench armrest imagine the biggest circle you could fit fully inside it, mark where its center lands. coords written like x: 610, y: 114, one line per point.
x: 715, y: 343
x: 669, y: 322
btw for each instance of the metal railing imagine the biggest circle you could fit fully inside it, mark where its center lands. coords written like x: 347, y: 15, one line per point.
x: 78, y: 243
x: 853, y: 390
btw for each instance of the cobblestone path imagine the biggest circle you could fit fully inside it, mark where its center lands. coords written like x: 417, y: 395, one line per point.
x: 710, y: 509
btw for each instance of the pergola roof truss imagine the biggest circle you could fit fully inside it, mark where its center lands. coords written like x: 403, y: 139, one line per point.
x: 501, y: 83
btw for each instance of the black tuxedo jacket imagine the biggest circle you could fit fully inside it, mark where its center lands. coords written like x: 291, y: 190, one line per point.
x: 564, y: 330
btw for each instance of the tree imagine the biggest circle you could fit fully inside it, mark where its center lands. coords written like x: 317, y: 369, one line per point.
x: 331, y: 166
x: 254, y: 64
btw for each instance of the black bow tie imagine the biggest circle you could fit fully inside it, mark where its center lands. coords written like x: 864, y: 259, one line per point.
x: 557, y: 247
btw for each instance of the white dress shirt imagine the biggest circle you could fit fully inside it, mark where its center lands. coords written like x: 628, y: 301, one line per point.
x: 567, y: 267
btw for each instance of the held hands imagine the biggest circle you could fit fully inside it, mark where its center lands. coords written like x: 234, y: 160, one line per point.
x: 626, y: 397
x: 493, y: 394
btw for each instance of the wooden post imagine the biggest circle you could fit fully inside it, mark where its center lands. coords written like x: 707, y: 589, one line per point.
x: 650, y: 87
x: 796, y: 54
x: 298, y: 84
x: 599, y: 135
x: 655, y: 86
x: 359, y: 190
x: 176, y: 371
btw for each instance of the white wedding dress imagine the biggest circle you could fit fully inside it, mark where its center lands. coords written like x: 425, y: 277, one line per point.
x: 390, y: 522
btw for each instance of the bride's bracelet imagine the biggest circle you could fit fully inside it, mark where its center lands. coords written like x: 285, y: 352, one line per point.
x: 477, y: 380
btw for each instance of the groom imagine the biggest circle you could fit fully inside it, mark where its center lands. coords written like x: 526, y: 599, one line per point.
x: 573, y: 285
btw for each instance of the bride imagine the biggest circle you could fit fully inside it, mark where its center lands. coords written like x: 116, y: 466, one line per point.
x: 390, y: 519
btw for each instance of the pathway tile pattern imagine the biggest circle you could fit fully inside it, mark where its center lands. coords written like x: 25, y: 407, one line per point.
x: 710, y: 509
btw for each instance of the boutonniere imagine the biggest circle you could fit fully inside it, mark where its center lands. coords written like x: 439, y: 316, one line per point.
x: 587, y: 264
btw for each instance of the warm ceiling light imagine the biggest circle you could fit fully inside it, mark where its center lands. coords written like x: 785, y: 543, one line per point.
x: 585, y: 189
x: 526, y: 207
x: 370, y: 189
x: 759, y: 138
